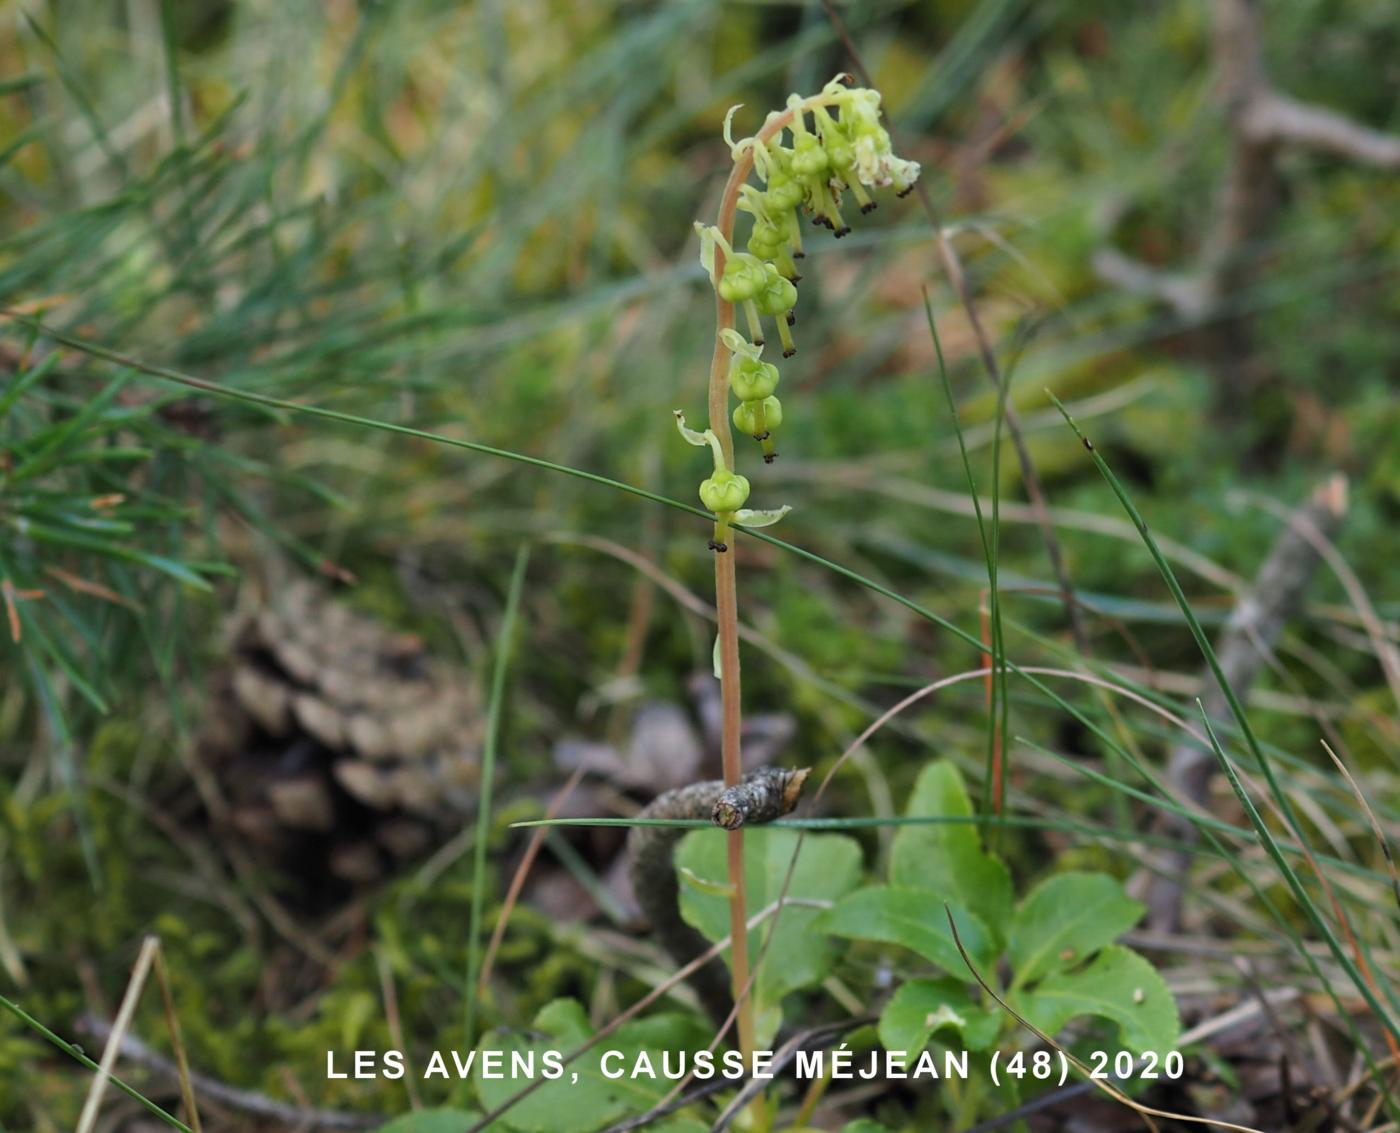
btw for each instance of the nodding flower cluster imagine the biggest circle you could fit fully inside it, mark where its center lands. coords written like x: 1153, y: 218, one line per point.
x: 725, y: 492
x: 844, y: 149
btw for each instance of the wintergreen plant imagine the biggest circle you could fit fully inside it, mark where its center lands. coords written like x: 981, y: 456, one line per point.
x: 845, y: 148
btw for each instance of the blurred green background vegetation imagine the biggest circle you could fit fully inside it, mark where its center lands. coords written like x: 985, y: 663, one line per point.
x: 476, y: 220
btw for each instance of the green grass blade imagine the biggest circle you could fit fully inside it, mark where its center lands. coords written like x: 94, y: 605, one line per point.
x: 1308, y: 905
x: 1304, y: 899
x: 74, y: 1052
x: 989, y: 552
x: 267, y: 401
x: 488, y: 769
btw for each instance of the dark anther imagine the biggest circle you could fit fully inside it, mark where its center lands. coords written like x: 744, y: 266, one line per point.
x: 798, y: 256
x: 769, y: 457
x: 764, y: 435
x: 792, y: 318
x: 905, y: 192
x: 794, y: 279
x: 789, y: 353
x: 1088, y: 444
x: 869, y: 206
x: 719, y: 547
x: 758, y: 342
x: 844, y: 230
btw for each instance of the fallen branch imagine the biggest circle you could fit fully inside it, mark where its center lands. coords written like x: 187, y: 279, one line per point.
x: 1188, y: 295
x: 1276, y: 596
x: 1275, y: 119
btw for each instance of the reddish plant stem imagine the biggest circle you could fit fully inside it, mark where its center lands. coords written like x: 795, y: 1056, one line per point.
x: 726, y: 604
x: 727, y: 598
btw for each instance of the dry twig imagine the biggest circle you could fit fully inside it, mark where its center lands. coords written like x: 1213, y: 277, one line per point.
x: 149, y: 959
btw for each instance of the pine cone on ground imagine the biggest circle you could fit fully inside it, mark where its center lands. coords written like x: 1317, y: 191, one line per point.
x: 342, y: 749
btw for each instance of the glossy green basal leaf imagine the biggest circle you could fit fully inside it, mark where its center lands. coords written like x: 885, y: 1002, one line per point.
x: 915, y: 919
x: 948, y: 859
x: 1120, y: 986
x: 921, y: 1009
x: 1065, y: 920
x: 800, y: 955
x: 594, y: 1100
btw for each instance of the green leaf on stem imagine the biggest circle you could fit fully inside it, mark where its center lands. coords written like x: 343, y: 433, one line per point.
x: 921, y: 1009
x: 1119, y: 985
x: 1066, y: 919
x: 915, y: 919
x: 948, y: 860
x: 800, y: 954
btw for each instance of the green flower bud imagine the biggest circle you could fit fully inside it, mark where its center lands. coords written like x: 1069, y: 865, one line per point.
x: 764, y: 251
x: 758, y: 418
x: 777, y: 299
x: 744, y: 277
x: 784, y: 194
x: 778, y: 296
x: 766, y: 240
x: 839, y: 151
x: 752, y: 380
x: 724, y: 491
x: 809, y: 160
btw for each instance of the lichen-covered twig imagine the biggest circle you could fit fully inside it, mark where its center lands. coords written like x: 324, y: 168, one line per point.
x: 759, y: 797
x: 1276, y: 596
